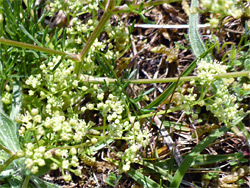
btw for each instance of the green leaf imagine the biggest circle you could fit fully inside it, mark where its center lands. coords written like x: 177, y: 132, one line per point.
x: 39, y: 183
x: 211, y: 159
x: 112, y: 180
x: 142, y: 179
x: 200, y: 160
x: 5, y: 185
x: 8, y: 133
x: 45, y: 34
x: 16, y: 100
x: 196, y: 42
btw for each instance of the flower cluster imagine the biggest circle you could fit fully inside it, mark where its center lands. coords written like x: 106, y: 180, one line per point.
x: 140, y: 139
x: 224, y: 105
x: 213, y: 94
x: 79, y: 30
x: 7, y: 98
x: 66, y: 159
x: 57, y: 104
x: 207, y: 70
x: 53, y: 119
x: 233, y: 8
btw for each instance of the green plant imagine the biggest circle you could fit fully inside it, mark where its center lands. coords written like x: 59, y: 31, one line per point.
x: 61, y: 104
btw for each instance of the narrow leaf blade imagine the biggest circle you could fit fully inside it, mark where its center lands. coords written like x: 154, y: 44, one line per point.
x: 142, y: 179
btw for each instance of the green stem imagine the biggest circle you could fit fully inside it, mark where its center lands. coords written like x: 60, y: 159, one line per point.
x: 103, y: 80
x: 39, y: 48
x: 26, y: 182
x: 104, y: 126
x: 107, y: 14
x: 75, y: 146
x: 151, y: 115
x: 12, y: 158
x: 6, y: 150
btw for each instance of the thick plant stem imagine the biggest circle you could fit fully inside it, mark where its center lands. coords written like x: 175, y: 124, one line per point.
x: 107, y: 14
x: 39, y: 48
x: 189, y: 78
x: 6, y: 150
x: 26, y: 182
x: 165, y: 80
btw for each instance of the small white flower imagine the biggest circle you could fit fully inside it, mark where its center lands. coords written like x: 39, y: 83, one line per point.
x: 40, y: 162
x: 126, y: 167
x: 53, y: 166
x: 90, y: 106
x: 31, y: 92
x: 73, y: 151
x: 47, y: 154
x: 20, y: 153
x: 34, y: 169
x: 29, y: 163
x: 84, y: 88
x: 34, y: 111
x: 137, y: 126
x: 37, y: 119
x: 100, y: 96
x: 83, y: 109
x: 65, y: 164
x: 94, y: 140
x: 67, y: 177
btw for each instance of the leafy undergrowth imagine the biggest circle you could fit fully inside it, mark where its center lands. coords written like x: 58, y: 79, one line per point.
x: 100, y: 113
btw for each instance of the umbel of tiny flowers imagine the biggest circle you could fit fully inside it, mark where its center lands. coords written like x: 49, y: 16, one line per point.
x: 50, y: 121
x: 233, y: 8
x: 214, y: 94
x: 57, y: 123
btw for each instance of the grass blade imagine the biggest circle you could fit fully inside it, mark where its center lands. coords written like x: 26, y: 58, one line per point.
x: 29, y: 35
x: 163, y: 172
x: 142, y: 179
x: 211, y: 159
